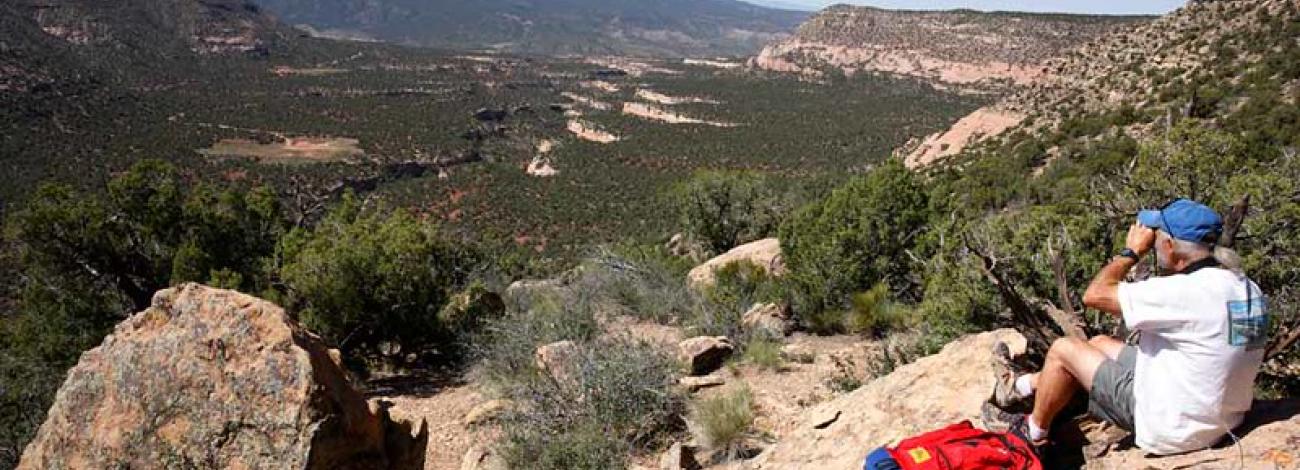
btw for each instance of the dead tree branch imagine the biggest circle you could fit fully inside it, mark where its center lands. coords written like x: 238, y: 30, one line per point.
x: 1028, y: 320
x: 1232, y: 225
x: 1066, y: 317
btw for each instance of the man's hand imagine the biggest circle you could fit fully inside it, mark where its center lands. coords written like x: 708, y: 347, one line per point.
x: 1140, y: 239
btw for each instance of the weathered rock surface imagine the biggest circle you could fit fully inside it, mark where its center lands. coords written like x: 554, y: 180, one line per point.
x: 764, y: 253
x: 952, y: 385
x: 558, y: 359
x: 212, y: 378
x: 695, y: 384
x: 704, y: 354
x: 770, y: 318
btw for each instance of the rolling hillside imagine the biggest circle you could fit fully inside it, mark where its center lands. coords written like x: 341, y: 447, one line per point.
x: 673, y: 28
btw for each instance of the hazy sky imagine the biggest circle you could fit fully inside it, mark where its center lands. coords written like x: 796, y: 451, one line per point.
x: 1072, y: 6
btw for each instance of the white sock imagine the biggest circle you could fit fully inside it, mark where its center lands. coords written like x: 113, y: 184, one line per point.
x: 1035, y: 433
x: 1023, y: 386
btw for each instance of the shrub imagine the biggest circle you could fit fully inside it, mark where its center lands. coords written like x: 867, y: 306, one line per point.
x: 874, y: 313
x: 723, y: 422
x: 366, y: 282
x: 854, y: 239
x: 619, y: 399
x: 764, y: 352
x: 726, y: 209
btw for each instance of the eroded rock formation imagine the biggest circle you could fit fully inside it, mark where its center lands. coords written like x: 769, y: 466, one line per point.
x: 209, y: 378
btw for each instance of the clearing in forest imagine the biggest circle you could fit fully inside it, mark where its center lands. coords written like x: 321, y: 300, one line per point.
x: 289, y: 150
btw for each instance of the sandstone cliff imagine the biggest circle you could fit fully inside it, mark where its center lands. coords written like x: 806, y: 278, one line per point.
x: 964, y: 48
x: 208, y: 378
x: 1144, y: 67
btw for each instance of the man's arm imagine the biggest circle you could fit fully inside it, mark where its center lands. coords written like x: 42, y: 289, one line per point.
x: 1103, y: 292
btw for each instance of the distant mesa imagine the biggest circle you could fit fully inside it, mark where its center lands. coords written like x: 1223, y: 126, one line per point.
x: 963, y: 48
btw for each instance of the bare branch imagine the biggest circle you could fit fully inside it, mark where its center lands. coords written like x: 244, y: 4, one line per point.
x: 1232, y: 225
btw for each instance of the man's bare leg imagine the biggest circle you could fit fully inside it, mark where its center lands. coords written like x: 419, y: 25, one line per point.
x: 1108, y: 345
x: 1070, y: 366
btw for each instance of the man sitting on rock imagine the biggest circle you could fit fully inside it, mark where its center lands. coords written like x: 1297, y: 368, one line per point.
x: 1201, y: 327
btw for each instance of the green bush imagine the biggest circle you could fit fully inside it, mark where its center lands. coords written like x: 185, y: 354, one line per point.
x: 874, y: 313
x: 764, y: 353
x: 856, y: 238
x: 367, y: 282
x: 723, y: 422
x: 726, y: 209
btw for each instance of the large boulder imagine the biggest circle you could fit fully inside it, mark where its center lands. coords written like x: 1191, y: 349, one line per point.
x: 704, y: 354
x: 765, y: 254
x: 952, y: 386
x: 559, y: 360
x: 216, y: 379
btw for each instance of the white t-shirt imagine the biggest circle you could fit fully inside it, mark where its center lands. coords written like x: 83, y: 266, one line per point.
x: 1201, y: 345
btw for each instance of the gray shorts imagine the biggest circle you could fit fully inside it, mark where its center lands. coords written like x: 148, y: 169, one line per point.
x: 1111, y: 397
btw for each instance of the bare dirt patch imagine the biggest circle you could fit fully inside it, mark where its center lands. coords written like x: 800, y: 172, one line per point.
x: 286, y: 71
x: 601, y: 85
x: 720, y: 64
x: 654, y: 113
x: 289, y: 150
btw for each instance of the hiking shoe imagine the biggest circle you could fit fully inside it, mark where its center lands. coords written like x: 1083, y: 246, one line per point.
x: 1005, y: 395
x: 997, y: 419
x: 1020, y: 428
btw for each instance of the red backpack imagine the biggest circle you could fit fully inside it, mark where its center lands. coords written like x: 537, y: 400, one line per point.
x: 964, y: 447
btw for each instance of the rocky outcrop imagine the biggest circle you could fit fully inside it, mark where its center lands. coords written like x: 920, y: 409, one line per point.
x: 983, y: 123
x: 772, y: 319
x: 764, y: 253
x: 705, y: 354
x: 210, y: 378
x: 961, y: 47
x: 558, y: 360
x: 952, y: 385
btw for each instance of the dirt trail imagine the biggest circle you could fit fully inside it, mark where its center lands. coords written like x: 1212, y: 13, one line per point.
x: 647, y: 111
x: 443, y: 404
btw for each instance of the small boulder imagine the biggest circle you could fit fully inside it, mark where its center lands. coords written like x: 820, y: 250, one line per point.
x: 770, y: 318
x: 679, y: 457
x: 765, y: 254
x: 559, y: 360
x: 487, y: 411
x: 704, y: 354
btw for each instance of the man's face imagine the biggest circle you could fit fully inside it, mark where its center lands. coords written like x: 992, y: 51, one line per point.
x: 1164, y: 248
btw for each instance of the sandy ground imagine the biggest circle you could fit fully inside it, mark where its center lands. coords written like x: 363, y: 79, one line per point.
x: 721, y: 64
x: 601, y: 85
x: 289, y: 150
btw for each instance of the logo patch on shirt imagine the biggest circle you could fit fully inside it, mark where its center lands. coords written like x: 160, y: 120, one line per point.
x: 1248, y: 323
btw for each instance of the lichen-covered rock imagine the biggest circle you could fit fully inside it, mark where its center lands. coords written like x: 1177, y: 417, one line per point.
x: 558, y: 360
x: 704, y: 354
x: 209, y: 378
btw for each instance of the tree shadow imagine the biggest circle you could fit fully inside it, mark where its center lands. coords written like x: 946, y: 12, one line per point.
x: 419, y: 383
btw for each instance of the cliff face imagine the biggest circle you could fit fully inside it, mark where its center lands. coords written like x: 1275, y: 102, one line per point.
x: 960, y: 48
x: 208, y: 378
x: 1147, y: 68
